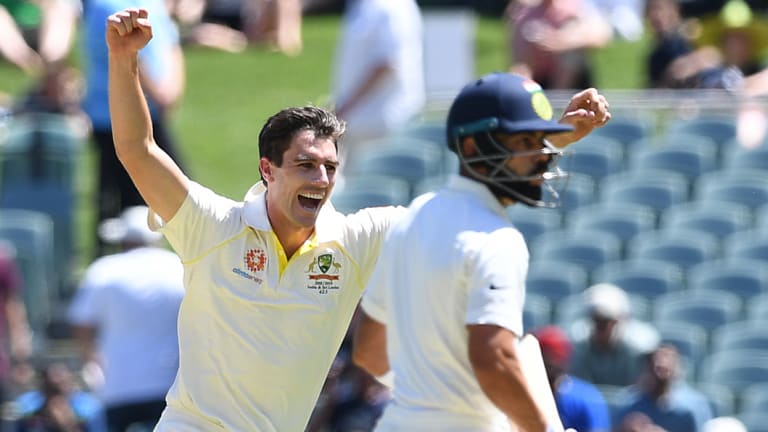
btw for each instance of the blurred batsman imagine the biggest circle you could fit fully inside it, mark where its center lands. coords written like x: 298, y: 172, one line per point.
x: 443, y: 312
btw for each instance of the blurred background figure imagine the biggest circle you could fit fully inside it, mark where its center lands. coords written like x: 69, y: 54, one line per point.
x: 724, y: 424
x: 611, y: 350
x: 661, y: 395
x: 275, y: 23
x: 162, y: 73
x: 549, y: 40
x: 124, y: 319
x: 671, y: 40
x: 730, y: 45
x: 580, y: 404
x: 58, y: 405
x: 34, y: 34
x: 625, y: 16
x: 210, y: 23
x: 638, y: 422
x: 378, y: 76
x: 16, y: 338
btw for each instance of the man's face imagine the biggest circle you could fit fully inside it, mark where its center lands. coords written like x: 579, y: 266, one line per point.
x: 531, y: 163
x: 297, y: 190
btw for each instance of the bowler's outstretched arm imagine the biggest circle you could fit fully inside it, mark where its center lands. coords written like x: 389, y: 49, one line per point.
x: 160, y: 181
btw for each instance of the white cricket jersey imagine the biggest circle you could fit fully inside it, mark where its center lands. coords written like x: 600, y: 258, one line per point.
x: 454, y: 259
x: 257, y: 332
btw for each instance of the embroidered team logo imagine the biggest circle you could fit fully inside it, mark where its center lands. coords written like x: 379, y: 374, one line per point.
x: 255, y: 260
x: 323, y: 274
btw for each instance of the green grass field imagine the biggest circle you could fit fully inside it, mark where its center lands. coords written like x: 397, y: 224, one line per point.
x: 229, y: 96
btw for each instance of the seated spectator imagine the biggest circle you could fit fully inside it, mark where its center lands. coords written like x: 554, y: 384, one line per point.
x: 580, y: 404
x: 667, y: 400
x: 611, y: 349
x: 724, y: 424
x: 33, y: 34
x: 549, y: 40
x: 637, y: 422
x: 671, y: 40
x: 58, y: 405
x: 731, y: 45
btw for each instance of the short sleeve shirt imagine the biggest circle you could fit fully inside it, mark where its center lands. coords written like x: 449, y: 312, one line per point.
x: 257, y: 331
x: 454, y: 260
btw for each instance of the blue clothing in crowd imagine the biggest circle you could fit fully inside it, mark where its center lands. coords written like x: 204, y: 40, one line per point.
x: 582, y: 406
x: 683, y: 410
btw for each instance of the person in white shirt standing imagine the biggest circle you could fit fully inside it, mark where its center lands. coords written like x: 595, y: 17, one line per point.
x: 378, y: 76
x: 443, y: 311
x: 124, y: 317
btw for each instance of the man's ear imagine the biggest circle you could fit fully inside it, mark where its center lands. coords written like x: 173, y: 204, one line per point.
x: 265, y: 167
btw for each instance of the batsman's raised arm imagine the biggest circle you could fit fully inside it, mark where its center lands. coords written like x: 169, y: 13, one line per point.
x: 160, y: 181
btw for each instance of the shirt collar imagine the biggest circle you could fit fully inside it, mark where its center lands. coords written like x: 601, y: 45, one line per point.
x: 255, y: 214
x: 479, y: 190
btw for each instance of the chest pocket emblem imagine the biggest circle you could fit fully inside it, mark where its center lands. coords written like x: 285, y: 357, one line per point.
x: 329, y: 269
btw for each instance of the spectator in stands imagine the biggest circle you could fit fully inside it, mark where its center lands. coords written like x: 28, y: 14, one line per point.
x: 378, y: 79
x: 211, y: 23
x: 34, y: 34
x: 130, y: 300
x: 549, y: 40
x: 610, y: 352
x: 638, y: 422
x: 667, y: 400
x: 15, y: 332
x: 724, y: 424
x: 162, y: 74
x: 625, y: 16
x: 671, y: 40
x: 731, y: 45
x: 580, y: 404
x: 58, y: 405
x: 276, y: 23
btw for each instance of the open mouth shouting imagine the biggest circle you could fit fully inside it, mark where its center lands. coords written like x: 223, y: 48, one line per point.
x: 311, y: 201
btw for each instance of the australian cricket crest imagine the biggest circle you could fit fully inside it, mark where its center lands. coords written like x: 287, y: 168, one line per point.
x: 323, y: 273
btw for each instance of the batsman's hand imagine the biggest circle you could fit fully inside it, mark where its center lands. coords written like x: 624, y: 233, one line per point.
x: 587, y: 110
x: 128, y: 31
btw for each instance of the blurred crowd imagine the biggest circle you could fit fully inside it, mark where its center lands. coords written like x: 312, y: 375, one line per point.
x: 378, y: 87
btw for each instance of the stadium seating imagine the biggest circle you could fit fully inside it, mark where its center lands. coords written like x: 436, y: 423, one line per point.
x: 749, y: 244
x: 595, y: 156
x: 579, y: 190
x: 746, y: 187
x: 708, y: 309
x: 647, y: 278
x: 31, y: 235
x: 624, y: 220
x: 588, y: 249
x: 743, y: 277
x: 721, y: 218
x: 689, y: 155
x: 736, y: 158
x: 625, y: 129
x: 757, y: 308
x: 370, y: 190
x: 537, y: 311
x: 754, y: 398
x: 738, y: 335
x: 555, y: 280
x: 681, y: 247
x: 719, y: 129
x: 735, y: 369
x: 722, y: 399
x: 533, y: 221
x: 411, y: 159
x: 656, y: 189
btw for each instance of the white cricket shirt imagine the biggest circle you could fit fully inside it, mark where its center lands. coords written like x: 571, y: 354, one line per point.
x: 455, y: 259
x: 257, y: 332
x: 133, y: 299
